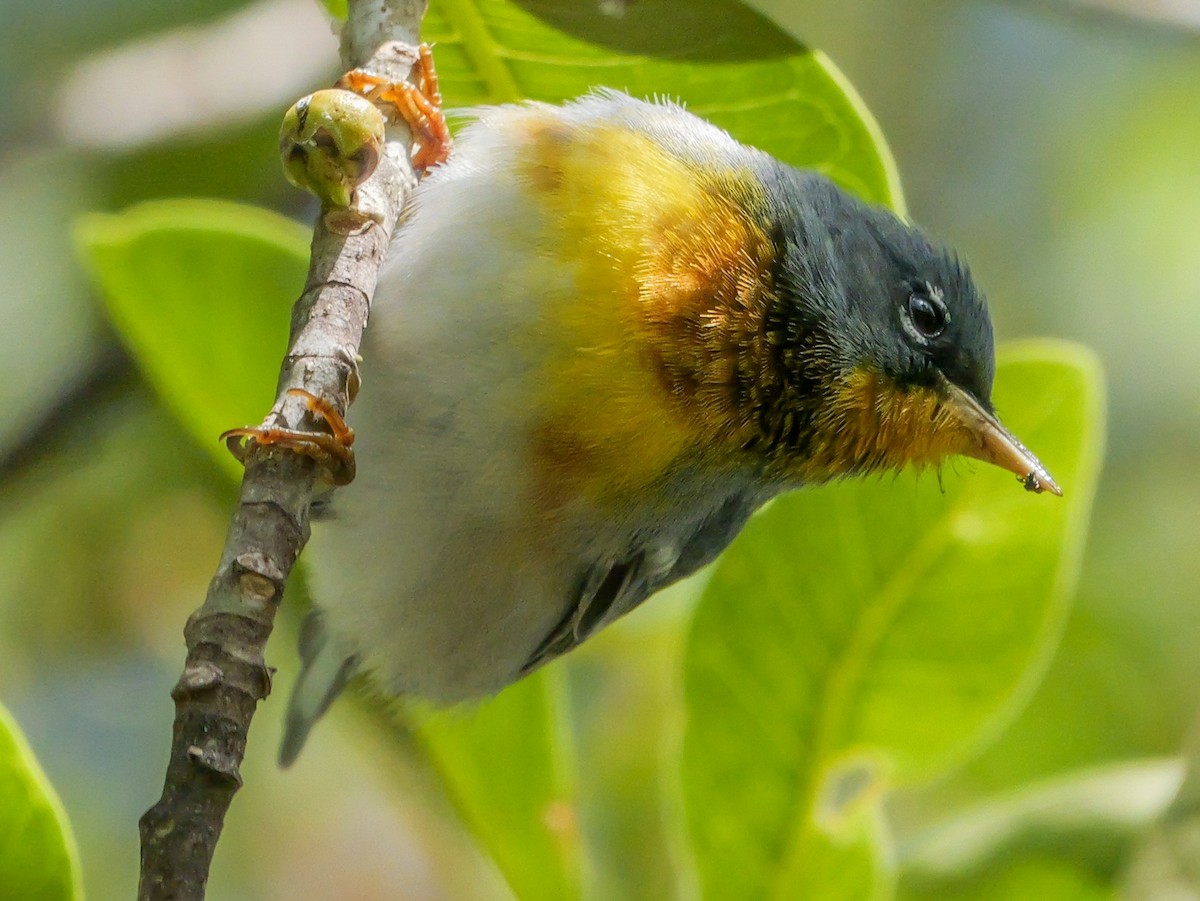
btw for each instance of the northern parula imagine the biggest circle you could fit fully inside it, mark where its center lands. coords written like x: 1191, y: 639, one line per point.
x: 606, y: 333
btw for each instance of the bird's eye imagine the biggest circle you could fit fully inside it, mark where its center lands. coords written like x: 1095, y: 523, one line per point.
x: 927, y: 315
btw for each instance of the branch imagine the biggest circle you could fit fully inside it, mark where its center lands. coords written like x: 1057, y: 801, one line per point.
x: 226, y: 675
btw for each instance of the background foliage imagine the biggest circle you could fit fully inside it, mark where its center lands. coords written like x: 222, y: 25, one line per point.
x: 38, y: 858
x: 114, y: 529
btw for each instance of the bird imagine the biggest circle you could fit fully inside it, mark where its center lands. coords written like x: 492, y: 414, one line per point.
x: 606, y: 333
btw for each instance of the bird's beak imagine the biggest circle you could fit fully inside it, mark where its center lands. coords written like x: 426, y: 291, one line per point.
x: 997, y: 445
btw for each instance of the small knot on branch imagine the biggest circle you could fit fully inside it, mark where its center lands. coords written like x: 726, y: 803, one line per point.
x: 259, y: 580
x: 221, y: 765
x: 197, y: 677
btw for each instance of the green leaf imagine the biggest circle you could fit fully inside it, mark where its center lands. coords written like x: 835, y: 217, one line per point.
x: 201, y: 293
x: 38, y: 857
x: 508, y: 766
x: 729, y: 64
x: 335, y: 8
x: 1041, y: 877
x: 1166, y: 864
x: 880, y: 625
x: 1094, y: 814
x: 843, y: 860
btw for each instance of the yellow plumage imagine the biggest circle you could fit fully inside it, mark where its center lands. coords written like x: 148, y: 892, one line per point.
x: 670, y: 274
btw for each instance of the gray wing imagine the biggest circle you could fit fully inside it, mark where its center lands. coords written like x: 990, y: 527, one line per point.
x: 604, y: 589
x: 324, y: 672
x: 610, y: 590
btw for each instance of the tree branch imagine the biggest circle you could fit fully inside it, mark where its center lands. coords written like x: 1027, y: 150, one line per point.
x: 226, y: 675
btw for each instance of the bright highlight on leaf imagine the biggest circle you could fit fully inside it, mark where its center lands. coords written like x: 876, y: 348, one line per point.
x: 38, y: 857
x: 887, y: 620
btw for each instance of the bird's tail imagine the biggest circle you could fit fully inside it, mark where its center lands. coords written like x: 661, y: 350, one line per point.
x: 324, y: 672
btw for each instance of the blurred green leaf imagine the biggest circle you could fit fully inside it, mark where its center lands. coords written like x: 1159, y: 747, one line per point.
x: 38, y: 857
x: 729, y: 64
x: 881, y: 624
x: 201, y: 292
x: 335, y: 8
x: 1046, y: 878
x: 1093, y: 816
x: 843, y: 862
x: 1166, y: 863
x: 509, y: 767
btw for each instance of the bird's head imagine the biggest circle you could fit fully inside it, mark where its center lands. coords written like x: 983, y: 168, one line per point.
x: 886, y: 345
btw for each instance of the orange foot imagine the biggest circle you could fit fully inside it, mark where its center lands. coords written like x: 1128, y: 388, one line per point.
x: 420, y: 107
x: 334, y: 451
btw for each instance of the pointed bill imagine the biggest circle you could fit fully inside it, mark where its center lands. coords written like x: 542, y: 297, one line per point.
x: 997, y: 445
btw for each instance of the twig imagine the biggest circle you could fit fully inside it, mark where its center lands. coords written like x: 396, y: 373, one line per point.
x: 226, y: 675
x: 109, y: 375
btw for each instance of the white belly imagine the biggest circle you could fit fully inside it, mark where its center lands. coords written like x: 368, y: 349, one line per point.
x: 442, y: 570
x: 427, y: 563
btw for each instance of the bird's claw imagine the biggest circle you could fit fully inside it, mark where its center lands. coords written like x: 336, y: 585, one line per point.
x: 333, y: 450
x: 420, y: 106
